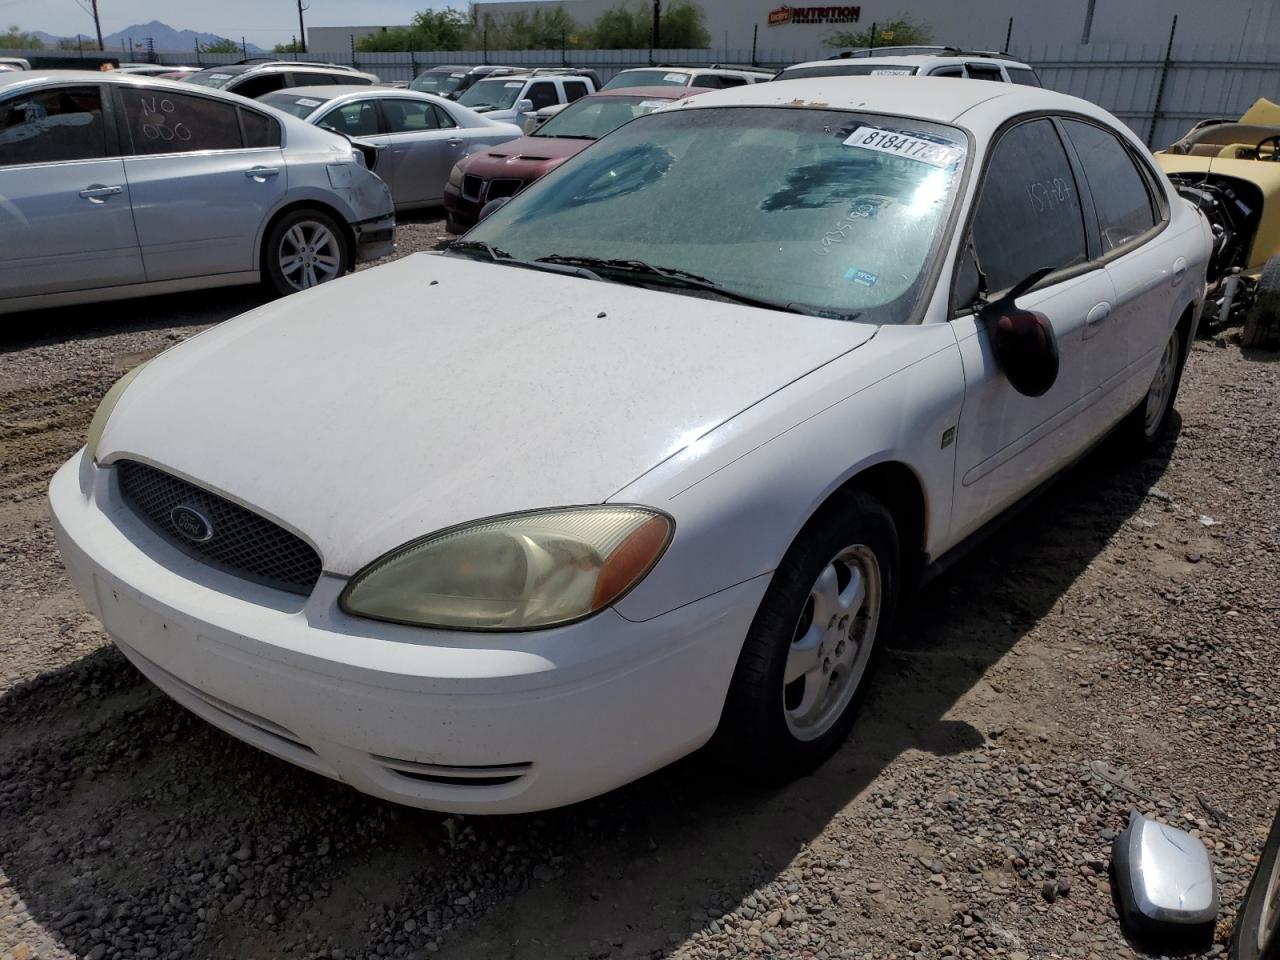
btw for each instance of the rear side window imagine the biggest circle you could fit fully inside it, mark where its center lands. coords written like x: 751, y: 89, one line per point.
x: 1120, y: 193
x: 728, y: 80
x: 259, y: 130
x: 255, y: 86
x: 543, y: 94
x: 160, y: 121
x: 48, y: 126
x: 708, y: 81
x: 1024, y: 76
x: 352, y: 79
x: 574, y: 90
x: 984, y: 71
x: 948, y: 72
x: 1028, y: 214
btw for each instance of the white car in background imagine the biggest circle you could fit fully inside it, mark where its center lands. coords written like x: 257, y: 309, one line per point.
x: 912, y: 62
x: 650, y: 456
x: 418, y: 136
x: 117, y: 186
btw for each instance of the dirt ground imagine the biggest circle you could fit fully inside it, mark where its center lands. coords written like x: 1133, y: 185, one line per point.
x: 1114, y: 649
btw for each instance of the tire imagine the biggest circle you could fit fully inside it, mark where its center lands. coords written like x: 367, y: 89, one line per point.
x: 325, y: 252
x: 1257, y: 927
x: 771, y: 730
x: 453, y: 226
x: 1145, y: 427
x: 1262, y: 320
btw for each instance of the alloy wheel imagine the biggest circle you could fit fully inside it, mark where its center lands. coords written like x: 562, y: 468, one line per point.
x: 1161, y: 388
x: 309, y: 254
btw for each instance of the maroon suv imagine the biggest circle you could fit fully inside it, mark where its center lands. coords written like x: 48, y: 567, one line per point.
x: 508, y: 168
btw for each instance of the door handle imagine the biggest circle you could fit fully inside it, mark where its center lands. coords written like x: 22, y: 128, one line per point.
x: 1179, y: 270
x: 1097, y: 316
x: 262, y: 174
x: 454, y: 141
x: 99, y: 193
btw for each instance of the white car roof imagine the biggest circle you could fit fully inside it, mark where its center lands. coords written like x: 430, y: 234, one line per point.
x: 337, y: 91
x: 941, y: 99
x: 916, y: 60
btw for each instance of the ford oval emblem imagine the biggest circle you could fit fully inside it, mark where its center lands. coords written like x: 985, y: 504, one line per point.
x: 191, y: 523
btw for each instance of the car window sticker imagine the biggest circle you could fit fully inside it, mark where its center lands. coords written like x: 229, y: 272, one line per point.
x: 308, y: 102
x: 675, y: 78
x: 935, y: 151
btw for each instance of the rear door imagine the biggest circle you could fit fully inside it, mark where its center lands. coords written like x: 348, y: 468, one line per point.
x: 202, y: 180
x: 65, y: 217
x: 1028, y: 215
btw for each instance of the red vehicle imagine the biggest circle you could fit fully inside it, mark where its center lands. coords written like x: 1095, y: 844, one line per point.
x: 505, y: 170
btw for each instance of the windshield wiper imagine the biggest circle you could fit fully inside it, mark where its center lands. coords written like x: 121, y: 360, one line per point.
x: 498, y: 255
x: 673, y: 276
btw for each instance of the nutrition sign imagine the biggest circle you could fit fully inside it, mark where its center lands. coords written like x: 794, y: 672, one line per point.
x: 841, y: 14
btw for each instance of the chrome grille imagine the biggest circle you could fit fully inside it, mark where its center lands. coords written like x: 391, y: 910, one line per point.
x: 240, y: 541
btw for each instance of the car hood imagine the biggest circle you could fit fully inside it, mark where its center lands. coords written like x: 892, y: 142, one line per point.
x: 434, y: 391
x: 524, y: 158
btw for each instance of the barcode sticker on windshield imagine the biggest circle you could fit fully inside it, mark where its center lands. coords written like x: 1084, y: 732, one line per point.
x: 675, y: 78
x: 517, y: 83
x: 654, y: 104
x: 892, y: 72
x: 936, y: 152
x: 308, y: 102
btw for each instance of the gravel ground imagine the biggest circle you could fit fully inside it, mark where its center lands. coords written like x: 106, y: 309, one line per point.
x: 1112, y: 650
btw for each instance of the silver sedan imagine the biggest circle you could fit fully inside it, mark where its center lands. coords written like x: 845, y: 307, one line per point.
x: 419, y: 136
x: 115, y: 186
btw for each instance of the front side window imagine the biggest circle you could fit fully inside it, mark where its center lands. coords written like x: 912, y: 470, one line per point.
x: 984, y: 71
x: 729, y: 80
x: 592, y: 119
x: 160, y: 121
x: 356, y: 119
x: 1028, y: 214
x: 542, y: 94
x: 409, y: 116
x: 1119, y: 191
x: 492, y: 95
x: 49, y: 126
x: 649, y: 78
x: 255, y: 86
x: 817, y: 211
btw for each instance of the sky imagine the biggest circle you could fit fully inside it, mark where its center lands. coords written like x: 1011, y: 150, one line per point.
x: 264, y: 22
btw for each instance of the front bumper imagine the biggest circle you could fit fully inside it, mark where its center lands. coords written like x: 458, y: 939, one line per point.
x: 375, y: 238
x: 469, y: 723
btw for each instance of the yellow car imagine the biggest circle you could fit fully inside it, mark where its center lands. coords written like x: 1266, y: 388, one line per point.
x: 1230, y: 169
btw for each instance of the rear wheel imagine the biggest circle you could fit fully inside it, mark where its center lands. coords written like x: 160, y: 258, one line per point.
x: 1262, y: 320
x: 1257, y: 928
x: 304, y: 249
x: 805, y: 662
x: 1146, y: 425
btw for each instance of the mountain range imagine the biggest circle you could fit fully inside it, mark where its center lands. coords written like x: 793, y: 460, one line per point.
x: 162, y: 35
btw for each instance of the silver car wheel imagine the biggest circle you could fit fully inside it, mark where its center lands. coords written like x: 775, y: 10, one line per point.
x: 832, y: 643
x: 309, y: 254
x: 1161, y: 388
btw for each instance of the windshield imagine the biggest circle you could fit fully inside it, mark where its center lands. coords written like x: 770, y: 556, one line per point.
x: 492, y: 95
x: 821, y: 210
x: 593, y: 117
x: 292, y: 103
x: 846, y: 69
x: 440, y: 82
x: 217, y: 77
x: 648, y: 78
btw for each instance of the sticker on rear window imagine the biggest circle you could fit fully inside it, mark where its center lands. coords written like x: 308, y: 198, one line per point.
x: 935, y: 151
x: 516, y: 83
x: 864, y: 277
x: 675, y: 78
x: 308, y: 102
x: 892, y: 72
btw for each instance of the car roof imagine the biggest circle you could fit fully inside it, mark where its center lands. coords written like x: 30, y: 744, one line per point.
x: 916, y: 60
x: 36, y: 77
x: 652, y: 93
x: 941, y: 99
x: 334, y: 91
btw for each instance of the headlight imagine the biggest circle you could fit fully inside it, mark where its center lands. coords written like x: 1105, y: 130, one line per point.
x: 517, y: 572
x: 455, y: 176
x: 103, y: 413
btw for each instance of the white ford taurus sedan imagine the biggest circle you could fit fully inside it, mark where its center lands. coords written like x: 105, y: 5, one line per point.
x: 649, y: 459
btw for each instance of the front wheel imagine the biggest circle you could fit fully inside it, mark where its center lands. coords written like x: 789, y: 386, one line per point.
x: 806, y: 660
x: 304, y: 249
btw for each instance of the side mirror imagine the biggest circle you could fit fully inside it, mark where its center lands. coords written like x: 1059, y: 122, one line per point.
x: 524, y: 106
x: 1164, y: 885
x: 1023, y: 340
x: 493, y: 205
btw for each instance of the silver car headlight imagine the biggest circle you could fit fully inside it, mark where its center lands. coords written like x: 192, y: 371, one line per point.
x: 455, y: 176
x: 108, y: 403
x: 517, y: 572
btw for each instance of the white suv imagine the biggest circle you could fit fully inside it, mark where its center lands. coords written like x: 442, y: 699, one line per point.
x: 937, y: 62
x: 254, y: 80
x: 714, y: 77
x: 513, y: 98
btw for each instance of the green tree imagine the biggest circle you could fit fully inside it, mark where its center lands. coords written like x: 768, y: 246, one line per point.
x: 902, y: 32
x: 221, y: 45
x: 293, y: 46
x: 630, y: 26
x: 16, y: 39
x: 539, y: 29
x: 77, y: 42
x: 447, y: 29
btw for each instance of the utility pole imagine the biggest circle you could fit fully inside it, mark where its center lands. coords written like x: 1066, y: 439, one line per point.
x: 657, y: 25
x: 97, y: 25
x: 302, y: 30
x: 1088, y: 21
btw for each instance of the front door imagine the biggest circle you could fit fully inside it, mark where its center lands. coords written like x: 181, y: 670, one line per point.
x: 200, y: 195
x: 1028, y: 216
x: 65, y: 218
x: 423, y: 143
